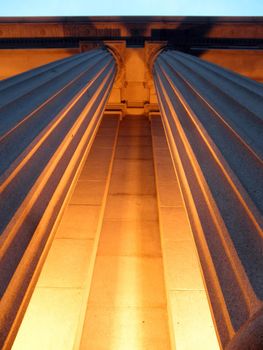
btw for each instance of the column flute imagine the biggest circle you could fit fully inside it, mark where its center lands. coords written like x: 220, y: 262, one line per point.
x: 213, y: 122
x: 48, y: 119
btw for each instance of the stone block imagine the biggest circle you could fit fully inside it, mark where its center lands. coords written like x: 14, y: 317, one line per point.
x: 131, y: 207
x: 130, y: 238
x: 56, y: 328
x: 88, y: 192
x: 135, y: 152
x: 191, y: 319
x: 132, y: 177
x: 128, y: 281
x: 125, y: 328
x: 79, y: 222
x: 174, y: 224
x: 67, y: 264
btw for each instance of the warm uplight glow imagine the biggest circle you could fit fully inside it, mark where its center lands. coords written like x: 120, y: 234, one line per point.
x: 127, y: 302
x: 51, y: 320
x: 128, y: 322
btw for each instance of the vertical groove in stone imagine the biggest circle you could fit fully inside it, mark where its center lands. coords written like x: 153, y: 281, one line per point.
x: 127, y: 301
x: 213, y: 122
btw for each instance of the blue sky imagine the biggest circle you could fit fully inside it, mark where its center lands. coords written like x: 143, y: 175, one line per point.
x: 131, y: 7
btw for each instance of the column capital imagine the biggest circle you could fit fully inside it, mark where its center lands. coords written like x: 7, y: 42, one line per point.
x: 152, y: 50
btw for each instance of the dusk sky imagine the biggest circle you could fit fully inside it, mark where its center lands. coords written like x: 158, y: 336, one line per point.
x: 131, y: 7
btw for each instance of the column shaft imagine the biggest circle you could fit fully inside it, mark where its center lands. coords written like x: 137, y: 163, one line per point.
x: 213, y: 123
x: 48, y: 119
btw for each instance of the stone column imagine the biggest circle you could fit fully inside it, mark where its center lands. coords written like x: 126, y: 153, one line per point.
x: 213, y: 123
x: 48, y: 119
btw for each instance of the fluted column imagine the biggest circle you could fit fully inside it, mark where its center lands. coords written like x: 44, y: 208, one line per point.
x: 48, y: 119
x: 213, y: 123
